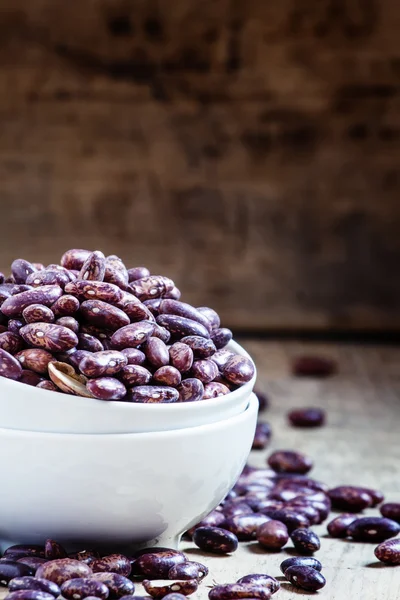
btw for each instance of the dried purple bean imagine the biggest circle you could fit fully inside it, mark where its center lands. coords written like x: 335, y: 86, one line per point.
x: 63, y: 569
x: 313, y: 366
x: 9, y: 569
x: 182, y: 309
x: 162, y: 333
x: 389, y: 552
x: 190, y: 390
x: 9, y: 366
x: 305, y: 541
x: 14, y: 325
x: 307, y: 417
x: 116, y: 272
x: 221, y: 337
x: 153, y: 305
x: 157, y: 565
x: 104, y: 315
x: 33, y: 583
x: 33, y: 562
x: 188, y: 570
x: 293, y: 520
x: 66, y: 306
x: 90, y: 343
x: 238, y: 370
x: 69, y: 322
x: 288, y: 461
x: 391, y: 510
x: 106, y: 388
x: 11, y: 342
x: 272, y: 535
x: 152, y: 394
x: 112, y: 563
x: 134, y: 356
x: 20, y: 550
x: 134, y: 375
x: 20, y: 270
x: 38, y: 313
x: 202, y: 347
x: 132, y: 335
x: 94, y: 290
x: 204, y: 370
x: 214, y: 389
x: 82, y: 587
x: 177, y: 588
x: 53, y: 550
x: 261, y: 580
x: 221, y: 357
x: 236, y: 591
x: 211, y: 315
x: 156, y: 352
x: 337, y: 528
x: 98, y: 364
x: 86, y: 556
x: 167, y: 376
x: 29, y: 595
x: 94, y: 267
x: 373, y: 529
x: 245, y: 526
x: 350, y: 498
x: 215, y: 539
x: 153, y: 286
x: 180, y: 326
x: 47, y: 385
x: 74, y: 258
x: 48, y: 277
x: 181, y: 356
x: 137, y: 273
x: 262, y: 436
x: 301, y: 561
x: 49, y: 336
x: 47, y: 295
x: 35, y: 359
x: 118, y: 585
x: 305, y: 578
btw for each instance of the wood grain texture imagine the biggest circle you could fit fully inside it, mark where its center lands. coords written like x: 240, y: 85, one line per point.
x: 248, y: 149
x: 359, y: 445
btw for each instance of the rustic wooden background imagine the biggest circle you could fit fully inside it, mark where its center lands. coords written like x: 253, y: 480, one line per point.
x: 249, y: 149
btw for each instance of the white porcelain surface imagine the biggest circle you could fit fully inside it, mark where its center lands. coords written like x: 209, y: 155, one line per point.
x: 118, y: 490
x: 27, y: 408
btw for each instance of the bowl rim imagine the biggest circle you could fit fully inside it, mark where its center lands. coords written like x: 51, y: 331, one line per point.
x: 120, y: 405
x: 251, y: 408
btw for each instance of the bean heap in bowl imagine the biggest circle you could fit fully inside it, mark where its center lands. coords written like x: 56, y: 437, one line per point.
x: 91, y: 327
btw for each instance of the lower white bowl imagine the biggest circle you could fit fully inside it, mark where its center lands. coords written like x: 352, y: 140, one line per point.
x: 23, y: 407
x: 118, y: 490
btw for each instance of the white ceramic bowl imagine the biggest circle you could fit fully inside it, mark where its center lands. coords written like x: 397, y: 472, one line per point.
x: 26, y: 408
x: 118, y: 490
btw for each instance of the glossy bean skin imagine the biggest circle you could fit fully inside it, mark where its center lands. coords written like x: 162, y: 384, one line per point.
x: 337, y: 528
x: 47, y: 385
x: 182, y: 309
x: 29, y: 595
x: 211, y: 315
x: 116, y: 272
x: 137, y: 273
x: 66, y: 306
x: 9, y: 569
x: 215, y: 539
x: 221, y: 337
x: 33, y: 583
x: 99, y: 364
x: 118, y: 585
x: 305, y: 578
x: 262, y: 580
x: 221, y: 357
x: 106, y: 388
x: 391, y: 510
x: 135, y: 375
x: 204, y: 370
x: 373, y: 529
x: 9, y: 366
x: 47, y: 295
x: 90, y: 343
x: 38, y: 313
x: 94, y: 290
x: 152, y: 286
x: 190, y: 390
x: 376, y: 496
x: 132, y: 335
x: 188, y: 570
x: 288, y: 461
x: 305, y: 541
x: 272, y: 535
x: 167, y: 376
x: 214, y: 389
x: 112, y: 563
x: 75, y: 358
x: 33, y: 562
x: 158, y: 564
x: 153, y: 305
x: 86, y: 556
x: 11, y: 342
x: 236, y: 591
x: 214, y: 519
x: 173, y: 294
x: 74, y: 258
x: 156, y: 352
x: 293, y: 520
x: 181, y: 356
x: 389, y: 552
x: 25, y: 550
x: 94, y: 267
x: 49, y: 336
x: 162, y: 333
x: 238, y: 370
x: 300, y: 561
x: 181, y: 327
x: 307, y: 417
x: 134, y: 356
x: 152, y: 393
x: 201, y: 347
x: 82, y: 587
x: 349, y: 498
x: 48, y: 277
x: 53, y: 550
x: 63, y: 569
x: 104, y: 315
x: 185, y: 588
x: 21, y: 269
x: 35, y: 359
x: 245, y: 526
x: 306, y: 509
x: 14, y: 325
x: 236, y: 506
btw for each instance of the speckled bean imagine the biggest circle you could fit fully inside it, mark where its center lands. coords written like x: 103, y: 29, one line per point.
x: 118, y: 585
x: 262, y: 436
x: 167, y: 376
x: 214, y: 389
x: 30, y: 378
x: 94, y: 267
x: 214, y: 519
x: 86, y: 556
x: 153, y: 286
x: 74, y: 358
x: 389, y: 552
x: 307, y: 417
x: 33, y: 583
x: 153, y: 305
x: 48, y: 277
x: 33, y: 562
x: 180, y: 326
x: 136, y: 273
x: 14, y: 325
x: 391, y: 510
x: 161, y: 590
x: 21, y: 269
x: 236, y: 506
x: 9, y: 366
x: 98, y: 364
x: 202, y: 347
x: 132, y: 335
x: 300, y: 561
x: 190, y: 390
x: 188, y: 570
x: 69, y: 322
x: 289, y: 461
x: 35, y: 359
x: 20, y: 550
x: 116, y: 272
x: 158, y: 564
x: 29, y: 595
x: 313, y: 366
x: 66, y: 306
x: 47, y: 295
x: 293, y: 520
x: 259, y: 579
x: 373, y: 529
x: 104, y: 315
x: 182, y: 309
x: 90, y: 343
x: 112, y: 563
x: 106, y: 388
x: 221, y: 357
x: 162, y: 333
x: 134, y: 356
x: 53, y: 550
x: 349, y: 498
x: 305, y: 541
x: 272, y: 535
x: 152, y: 394
x: 215, y: 539
x: 337, y: 528
x: 74, y: 258
x: 38, y: 313
x: 49, y: 336
x: 211, y: 315
x: 63, y: 569
x: 11, y: 342
x: 238, y: 370
x: 94, y: 290
x: 156, y: 352
x: 221, y: 337
x: 305, y: 578
x: 47, y: 385
x: 10, y: 569
x: 181, y: 356
x: 81, y: 587
x: 236, y: 591
x: 245, y: 526
x: 204, y: 370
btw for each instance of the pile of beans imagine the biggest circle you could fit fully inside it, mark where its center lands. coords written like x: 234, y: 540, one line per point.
x: 91, y: 327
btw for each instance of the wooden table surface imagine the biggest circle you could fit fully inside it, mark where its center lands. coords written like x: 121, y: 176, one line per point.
x: 359, y: 445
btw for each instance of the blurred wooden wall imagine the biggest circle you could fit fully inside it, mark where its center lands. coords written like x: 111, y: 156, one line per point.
x: 248, y: 148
